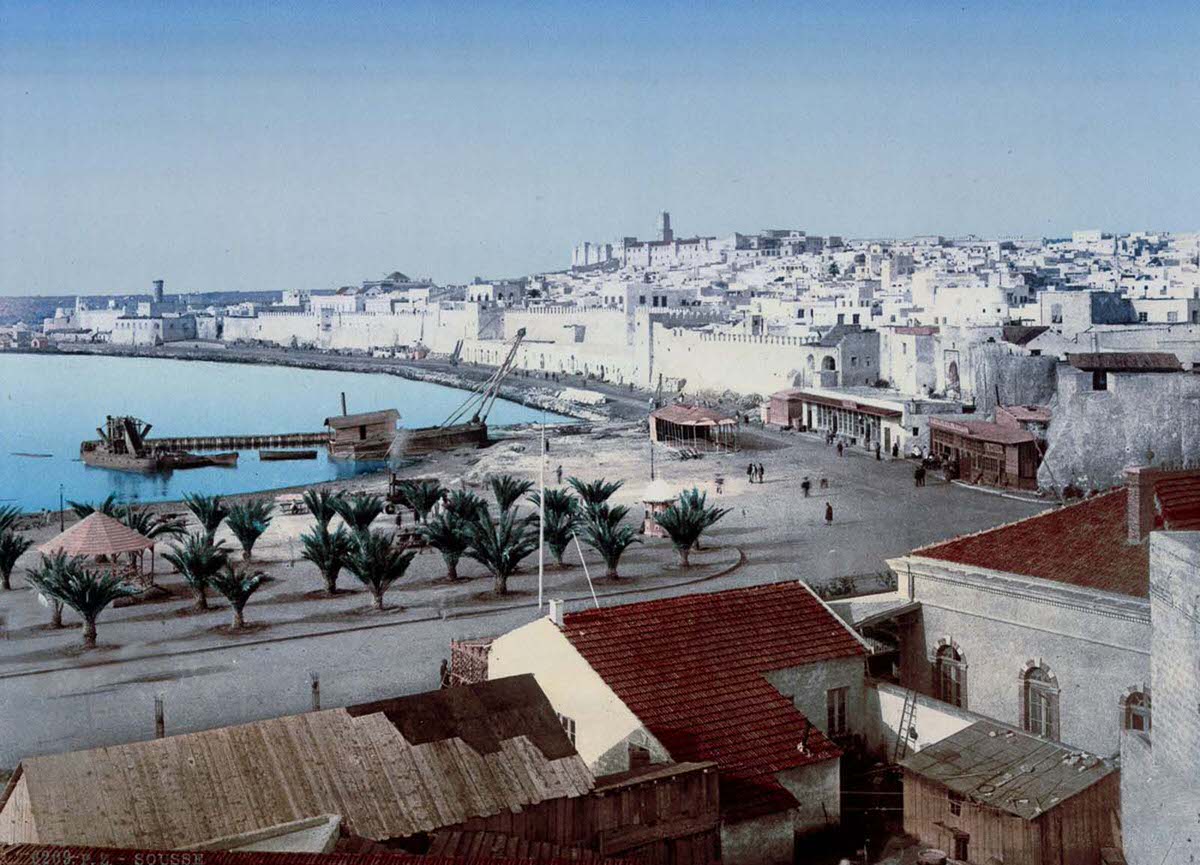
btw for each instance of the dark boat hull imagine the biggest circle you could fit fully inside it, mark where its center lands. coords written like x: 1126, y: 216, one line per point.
x: 430, y: 439
x: 272, y: 456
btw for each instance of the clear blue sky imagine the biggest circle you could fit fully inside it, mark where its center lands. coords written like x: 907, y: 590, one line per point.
x: 254, y: 146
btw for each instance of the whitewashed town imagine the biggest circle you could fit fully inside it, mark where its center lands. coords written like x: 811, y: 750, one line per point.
x: 933, y: 508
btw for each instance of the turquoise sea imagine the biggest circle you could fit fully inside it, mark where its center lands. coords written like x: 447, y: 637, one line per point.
x: 50, y: 403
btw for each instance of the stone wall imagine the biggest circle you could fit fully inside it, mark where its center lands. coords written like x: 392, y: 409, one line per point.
x: 1140, y: 419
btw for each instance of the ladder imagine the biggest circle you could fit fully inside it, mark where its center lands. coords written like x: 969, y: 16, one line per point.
x: 906, y: 716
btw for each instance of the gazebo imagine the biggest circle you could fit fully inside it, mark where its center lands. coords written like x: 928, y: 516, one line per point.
x: 104, y: 539
x: 695, y: 427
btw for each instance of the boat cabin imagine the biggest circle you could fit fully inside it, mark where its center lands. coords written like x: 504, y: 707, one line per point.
x: 363, y: 436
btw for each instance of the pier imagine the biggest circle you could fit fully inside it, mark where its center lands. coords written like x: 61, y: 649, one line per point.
x: 239, y: 442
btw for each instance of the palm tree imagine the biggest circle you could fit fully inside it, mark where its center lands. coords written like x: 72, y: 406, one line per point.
x: 328, y: 551
x: 248, y: 520
x: 12, y: 547
x: 508, y: 489
x: 561, y: 518
x: 466, y: 505
x: 602, y: 530
x: 686, y: 520
x: 47, y: 572
x: 450, y: 535
x: 237, y: 586
x: 377, y: 563
x: 421, y: 496
x: 151, y: 525
x: 594, y: 492
x: 323, y: 505
x: 9, y: 514
x: 359, y: 510
x: 109, y: 507
x: 209, y: 510
x: 85, y: 591
x: 198, y: 559
x: 499, y: 546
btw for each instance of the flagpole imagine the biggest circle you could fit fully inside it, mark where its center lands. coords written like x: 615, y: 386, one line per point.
x: 542, y: 512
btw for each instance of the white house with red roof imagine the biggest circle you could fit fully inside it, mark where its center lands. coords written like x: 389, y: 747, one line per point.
x: 1044, y: 623
x: 760, y: 680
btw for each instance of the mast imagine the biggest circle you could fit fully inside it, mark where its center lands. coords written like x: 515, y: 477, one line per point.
x: 542, y: 512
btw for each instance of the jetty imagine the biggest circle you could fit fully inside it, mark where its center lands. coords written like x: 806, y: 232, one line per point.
x: 242, y: 442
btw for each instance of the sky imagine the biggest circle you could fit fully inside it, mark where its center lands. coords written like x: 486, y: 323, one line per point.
x: 236, y: 146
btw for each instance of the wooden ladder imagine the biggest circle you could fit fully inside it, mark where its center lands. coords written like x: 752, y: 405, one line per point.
x: 906, y: 716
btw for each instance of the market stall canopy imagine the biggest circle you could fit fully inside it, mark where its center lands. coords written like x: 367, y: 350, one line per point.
x: 693, y: 415
x: 97, y: 534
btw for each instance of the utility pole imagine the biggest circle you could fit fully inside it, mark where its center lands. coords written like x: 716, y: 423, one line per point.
x: 542, y: 512
x: 61, y: 516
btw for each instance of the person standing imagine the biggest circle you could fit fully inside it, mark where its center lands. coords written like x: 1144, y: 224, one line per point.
x: 558, y: 475
x: 839, y: 448
x: 806, y: 485
x: 750, y: 472
x: 878, y: 453
x: 828, y: 514
x: 761, y: 473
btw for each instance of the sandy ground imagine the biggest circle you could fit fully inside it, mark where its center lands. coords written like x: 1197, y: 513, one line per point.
x: 54, y: 696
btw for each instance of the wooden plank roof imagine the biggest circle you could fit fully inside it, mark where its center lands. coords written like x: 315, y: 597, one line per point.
x: 184, y: 790
x: 342, y: 421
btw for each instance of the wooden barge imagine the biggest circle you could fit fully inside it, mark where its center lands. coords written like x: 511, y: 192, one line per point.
x: 123, y: 446
x: 279, y: 456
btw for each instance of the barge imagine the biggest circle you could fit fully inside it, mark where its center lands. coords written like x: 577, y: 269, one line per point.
x: 123, y: 446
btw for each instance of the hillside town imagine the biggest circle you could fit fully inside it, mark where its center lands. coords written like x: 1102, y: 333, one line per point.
x: 913, y: 579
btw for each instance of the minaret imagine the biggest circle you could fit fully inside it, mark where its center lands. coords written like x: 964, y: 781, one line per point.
x: 158, y: 291
x: 667, y: 235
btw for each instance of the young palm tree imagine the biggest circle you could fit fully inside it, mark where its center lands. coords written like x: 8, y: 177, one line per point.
x: 109, y: 507
x: 12, y: 547
x: 602, y: 530
x: 248, y: 520
x: 237, y: 586
x: 499, y: 546
x: 47, y: 572
x: 377, y: 563
x: 421, y: 496
x: 466, y: 505
x: 209, y: 510
x: 149, y: 524
x: 686, y: 520
x: 328, y: 551
x: 359, y: 510
x: 323, y: 505
x: 198, y: 559
x: 508, y: 490
x: 85, y: 591
x: 594, y: 492
x: 9, y: 514
x: 562, y: 517
x: 450, y: 535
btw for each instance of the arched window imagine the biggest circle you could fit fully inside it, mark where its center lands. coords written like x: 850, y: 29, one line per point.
x: 950, y: 676
x: 1039, y: 697
x: 1137, y: 711
x: 828, y: 363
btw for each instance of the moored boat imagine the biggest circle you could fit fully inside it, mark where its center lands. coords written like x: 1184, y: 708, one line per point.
x: 271, y: 456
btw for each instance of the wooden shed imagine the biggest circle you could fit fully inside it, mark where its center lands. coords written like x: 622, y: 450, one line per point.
x: 694, y: 428
x: 981, y: 452
x: 992, y: 794
x: 363, y: 436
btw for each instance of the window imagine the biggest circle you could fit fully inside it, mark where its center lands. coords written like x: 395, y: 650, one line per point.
x: 1099, y: 380
x: 568, y: 725
x: 1172, y: 317
x: 1137, y: 712
x: 962, y: 847
x: 1039, y: 695
x: 641, y: 300
x: 956, y: 801
x: 1143, y: 316
x: 950, y: 676
x: 835, y: 711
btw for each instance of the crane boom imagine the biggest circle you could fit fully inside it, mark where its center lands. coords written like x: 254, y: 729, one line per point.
x: 483, y: 397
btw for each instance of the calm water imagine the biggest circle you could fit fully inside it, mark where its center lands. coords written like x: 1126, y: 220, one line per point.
x: 48, y: 404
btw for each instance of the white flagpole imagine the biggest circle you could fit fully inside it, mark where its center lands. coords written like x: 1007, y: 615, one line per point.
x: 542, y: 513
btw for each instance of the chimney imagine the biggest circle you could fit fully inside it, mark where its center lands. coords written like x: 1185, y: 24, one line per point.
x: 1139, y: 501
x: 556, y: 611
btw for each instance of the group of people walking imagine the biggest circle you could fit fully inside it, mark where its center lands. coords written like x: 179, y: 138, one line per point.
x: 754, y: 472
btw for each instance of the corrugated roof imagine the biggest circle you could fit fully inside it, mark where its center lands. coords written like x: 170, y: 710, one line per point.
x: 993, y: 765
x: 1179, y: 502
x: 1125, y: 361
x: 48, y: 854
x: 693, y: 415
x: 692, y: 670
x: 1027, y: 412
x: 1082, y: 544
x: 185, y: 790
x: 982, y: 430
x: 342, y: 421
x: 462, y: 844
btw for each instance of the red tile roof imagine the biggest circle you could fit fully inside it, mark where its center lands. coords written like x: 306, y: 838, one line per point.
x: 691, y: 669
x: 1179, y: 503
x: 1083, y: 545
x: 982, y: 430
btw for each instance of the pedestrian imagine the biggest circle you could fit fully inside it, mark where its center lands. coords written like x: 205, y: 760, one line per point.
x: 547, y: 448
x: 720, y: 481
x: 919, y: 476
x: 760, y: 473
x: 806, y: 485
x: 828, y: 514
x: 839, y: 448
x: 878, y: 453
x: 558, y: 475
x: 895, y: 450
x: 750, y: 472
x: 824, y: 483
